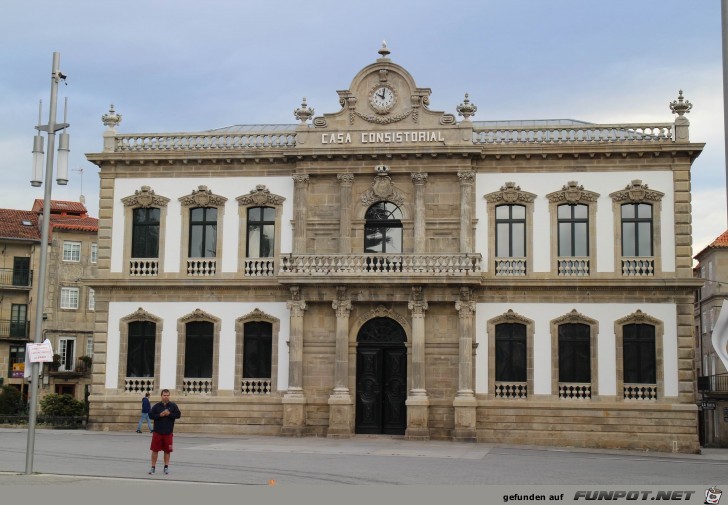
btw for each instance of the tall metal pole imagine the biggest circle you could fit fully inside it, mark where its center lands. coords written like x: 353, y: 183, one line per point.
x: 724, y: 31
x: 51, y: 128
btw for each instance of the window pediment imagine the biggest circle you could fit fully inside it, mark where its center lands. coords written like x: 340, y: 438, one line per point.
x: 637, y: 192
x: 510, y: 317
x: 144, y: 198
x: 141, y: 315
x: 257, y: 315
x: 510, y: 193
x: 572, y: 192
x: 202, y: 197
x: 198, y: 315
x: 638, y: 317
x: 574, y: 317
x: 260, y: 196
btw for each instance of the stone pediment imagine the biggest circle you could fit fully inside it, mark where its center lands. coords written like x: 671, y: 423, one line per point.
x: 383, y: 107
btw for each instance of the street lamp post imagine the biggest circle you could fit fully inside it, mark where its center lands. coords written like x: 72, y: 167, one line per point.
x: 62, y: 176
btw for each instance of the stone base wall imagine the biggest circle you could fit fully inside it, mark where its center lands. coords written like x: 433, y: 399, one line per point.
x: 657, y: 427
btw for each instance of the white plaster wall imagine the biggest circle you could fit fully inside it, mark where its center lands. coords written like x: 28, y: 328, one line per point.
x: 170, y: 312
x: 605, y: 313
x: 174, y: 188
x: 603, y: 183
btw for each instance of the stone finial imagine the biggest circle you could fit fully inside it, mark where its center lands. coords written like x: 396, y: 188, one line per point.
x: 679, y: 106
x: 466, y: 109
x: 112, y: 119
x: 304, y: 113
x: 384, y: 51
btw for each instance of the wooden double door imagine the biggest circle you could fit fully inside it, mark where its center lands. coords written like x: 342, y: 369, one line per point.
x: 381, y: 371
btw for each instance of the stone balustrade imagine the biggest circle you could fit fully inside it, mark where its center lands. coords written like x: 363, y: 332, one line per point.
x: 574, y: 391
x: 255, y: 386
x: 640, y: 392
x: 573, y: 267
x: 638, y: 267
x: 510, y: 267
x: 511, y: 390
x: 210, y: 141
x: 380, y: 264
x: 196, y: 385
x: 201, y: 267
x: 144, y: 267
x: 138, y: 384
x: 638, y: 133
x: 259, y: 267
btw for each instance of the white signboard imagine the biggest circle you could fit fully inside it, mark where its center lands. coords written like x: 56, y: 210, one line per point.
x: 39, y: 353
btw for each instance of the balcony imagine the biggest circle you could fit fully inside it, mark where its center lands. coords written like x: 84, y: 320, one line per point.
x: 715, y: 384
x: 14, y: 329
x: 380, y: 268
x: 82, y: 369
x: 16, y: 278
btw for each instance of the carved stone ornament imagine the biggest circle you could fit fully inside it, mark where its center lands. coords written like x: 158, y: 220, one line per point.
x: 572, y: 193
x: 142, y: 315
x: 112, y: 119
x: 638, y: 317
x: 419, y: 178
x: 465, y: 305
x: 259, y: 196
x: 510, y: 193
x: 258, y: 315
x: 679, y: 106
x: 382, y: 189
x: 320, y: 122
x: 417, y: 303
x: 144, y: 198
x: 198, y: 315
x: 636, y: 192
x: 342, y: 304
x: 303, y: 113
x: 466, y: 109
x: 511, y: 317
x: 381, y: 311
x: 447, y: 119
x: 573, y: 317
x: 202, y: 197
x: 346, y: 179
x: 388, y: 119
x: 466, y: 177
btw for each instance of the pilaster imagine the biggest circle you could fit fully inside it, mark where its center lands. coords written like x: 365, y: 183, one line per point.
x: 419, y: 180
x: 466, y: 210
x: 294, y: 401
x: 341, y: 404
x: 417, y: 402
x: 300, y: 206
x: 464, y: 403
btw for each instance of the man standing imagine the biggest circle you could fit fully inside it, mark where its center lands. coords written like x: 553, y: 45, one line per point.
x: 146, y: 407
x: 164, y: 414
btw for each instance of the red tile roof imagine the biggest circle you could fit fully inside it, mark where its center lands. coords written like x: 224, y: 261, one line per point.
x: 62, y: 207
x: 70, y: 223
x: 719, y: 243
x: 12, y: 225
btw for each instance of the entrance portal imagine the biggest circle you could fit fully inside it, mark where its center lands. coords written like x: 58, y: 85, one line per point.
x: 381, y: 378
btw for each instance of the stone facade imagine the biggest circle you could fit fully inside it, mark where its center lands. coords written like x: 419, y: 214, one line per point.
x: 390, y: 269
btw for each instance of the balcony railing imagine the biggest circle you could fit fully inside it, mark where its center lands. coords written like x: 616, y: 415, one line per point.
x: 260, y: 267
x: 201, y: 267
x: 196, y: 385
x: 573, y: 267
x: 16, y: 278
x: 14, y: 329
x: 511, y: 390
x: 138, y: 384
x: 713, y: 383
x: 510, y: 267
x: 574, y: 391
x: 255, y: 386
x: 638, y: 267
x: 392, y: 265
x: 144, y: 267
x: 640, y: 391
x: 575, y: 134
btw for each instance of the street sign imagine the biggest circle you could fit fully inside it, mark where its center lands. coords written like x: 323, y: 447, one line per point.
x: 707, y: 405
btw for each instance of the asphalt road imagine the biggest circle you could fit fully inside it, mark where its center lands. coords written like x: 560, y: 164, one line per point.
x: 252, y: 464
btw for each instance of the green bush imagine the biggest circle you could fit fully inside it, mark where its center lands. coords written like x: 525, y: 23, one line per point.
x: 61, y: 406
x: 11, y: 403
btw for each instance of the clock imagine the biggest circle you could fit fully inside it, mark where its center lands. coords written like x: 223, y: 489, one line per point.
x: 382, y: 98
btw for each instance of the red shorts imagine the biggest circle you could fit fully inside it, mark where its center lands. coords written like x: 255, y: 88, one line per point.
x: 161, y: 442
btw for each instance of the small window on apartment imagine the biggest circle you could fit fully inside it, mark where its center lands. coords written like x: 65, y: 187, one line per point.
x: 94, y: 252
x: 69, y: 298
x: 90, y: 346
x: 71, y: 251
x: 91, y: 299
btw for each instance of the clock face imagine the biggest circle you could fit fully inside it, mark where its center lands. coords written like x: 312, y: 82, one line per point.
x: 382, y: 99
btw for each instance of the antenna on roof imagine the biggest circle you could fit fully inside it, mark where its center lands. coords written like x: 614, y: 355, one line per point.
x: 82, y: 199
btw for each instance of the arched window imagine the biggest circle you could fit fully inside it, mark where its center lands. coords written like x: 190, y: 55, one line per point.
x: 383, y: 228
x: 141, y: 349
x: 199, y: 340
x: 574, y: 353
x: 257, y: 350
x: 510, y: 352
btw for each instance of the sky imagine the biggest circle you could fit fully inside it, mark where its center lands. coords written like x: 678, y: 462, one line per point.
x: 184, y: 66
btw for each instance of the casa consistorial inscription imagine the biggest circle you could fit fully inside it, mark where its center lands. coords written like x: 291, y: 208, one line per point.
x: 387, y: 137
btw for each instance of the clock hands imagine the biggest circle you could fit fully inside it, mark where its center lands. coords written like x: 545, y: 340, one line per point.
x: 382, y: 94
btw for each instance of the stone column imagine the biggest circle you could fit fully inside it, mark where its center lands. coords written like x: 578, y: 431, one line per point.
x: 294, y: 401
x: 346, y: 181
x: 464, y: 403
x: 341, y: 405
x: 417, y: 402
x: 300, y: 206
x: 419, y: 180
x: 466, y: 210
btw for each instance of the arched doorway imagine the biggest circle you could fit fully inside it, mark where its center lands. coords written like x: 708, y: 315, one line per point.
x: 381, y: 377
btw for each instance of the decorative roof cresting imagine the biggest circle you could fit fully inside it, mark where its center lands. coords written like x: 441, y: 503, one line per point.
x: 466, y: 109
x: 304, y: 113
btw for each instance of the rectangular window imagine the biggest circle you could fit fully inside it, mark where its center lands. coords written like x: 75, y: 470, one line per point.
x: 91, y: 299
x: 69, y: 298
x: 261, y: 232
x: 94, y: 252
x: 19, y: 320
x: 90, y: 346
x: 67, y: 351
x: 637, y: 229
x: 510, y: 226
x: 21, y: 271
x: 17, y: 361
x: 71, y: 251
x: 510, y: 352
x: 145, y: 233
x: 573, y: 230
x: 257, y: 346
x: 198, y: 349
x: 640, y: 365
x: 203, y: 232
